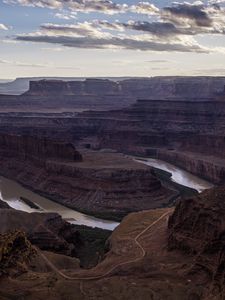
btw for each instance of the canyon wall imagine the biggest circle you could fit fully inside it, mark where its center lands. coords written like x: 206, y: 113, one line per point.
x: 87, y: 87
x: 164, y: 86
x: 29, y: 147
x: 210, y: 168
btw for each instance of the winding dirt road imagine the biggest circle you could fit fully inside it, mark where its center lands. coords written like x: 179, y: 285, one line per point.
x: 142, y: 254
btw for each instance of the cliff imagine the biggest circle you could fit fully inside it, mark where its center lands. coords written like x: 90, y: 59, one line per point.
x: 210, y: 168
x: 44, y: 149
x: 88, y: 86
x: 197, y: 227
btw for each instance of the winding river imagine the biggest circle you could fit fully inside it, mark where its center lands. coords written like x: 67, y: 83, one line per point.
x: 11, y: 192
x: 178, y: 175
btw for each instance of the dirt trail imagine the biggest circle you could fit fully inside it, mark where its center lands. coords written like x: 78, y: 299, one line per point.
x: 142, y: 254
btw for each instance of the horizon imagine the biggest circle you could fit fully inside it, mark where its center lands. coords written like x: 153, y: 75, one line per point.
x: 64, y: 78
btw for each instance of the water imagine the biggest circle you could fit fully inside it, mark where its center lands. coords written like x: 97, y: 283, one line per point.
x: 178, y: 175
x: 10, y: 192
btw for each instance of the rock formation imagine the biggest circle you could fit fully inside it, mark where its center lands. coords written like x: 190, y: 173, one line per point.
x: 15, y: 253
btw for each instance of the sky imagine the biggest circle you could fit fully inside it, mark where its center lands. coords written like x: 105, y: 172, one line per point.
x: 87, y: 38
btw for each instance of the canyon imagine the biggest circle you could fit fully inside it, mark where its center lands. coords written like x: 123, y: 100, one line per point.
x: 75, y: 142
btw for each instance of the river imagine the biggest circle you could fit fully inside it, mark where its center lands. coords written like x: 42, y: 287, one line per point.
x: 10, y: 192
x: 178, y: 175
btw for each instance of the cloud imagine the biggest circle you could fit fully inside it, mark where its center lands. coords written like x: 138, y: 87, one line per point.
x: 104, y: 6
x: 156, y: 28
x: 56, y: 49
x: 3, y: 27
x: 188, y: 11
x: 159, y: 61
x: 210, y: 72
x: 174, y: 27
x: 196, y: 18
x: 79, y: 29
x: 34, y: 65
x: 144, y: 8
x: 132, y: 43
x: 21, y: 64
x: 66, y: 15
x: 212, y: 2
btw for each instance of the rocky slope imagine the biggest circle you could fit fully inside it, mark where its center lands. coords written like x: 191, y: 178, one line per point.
x: 197, y: 228
x: 49, y: 232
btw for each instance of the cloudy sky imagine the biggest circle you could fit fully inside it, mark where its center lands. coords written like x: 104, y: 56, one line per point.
x: 111, y: 38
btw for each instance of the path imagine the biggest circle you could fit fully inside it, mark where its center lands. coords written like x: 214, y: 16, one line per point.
x: 142, y: 254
